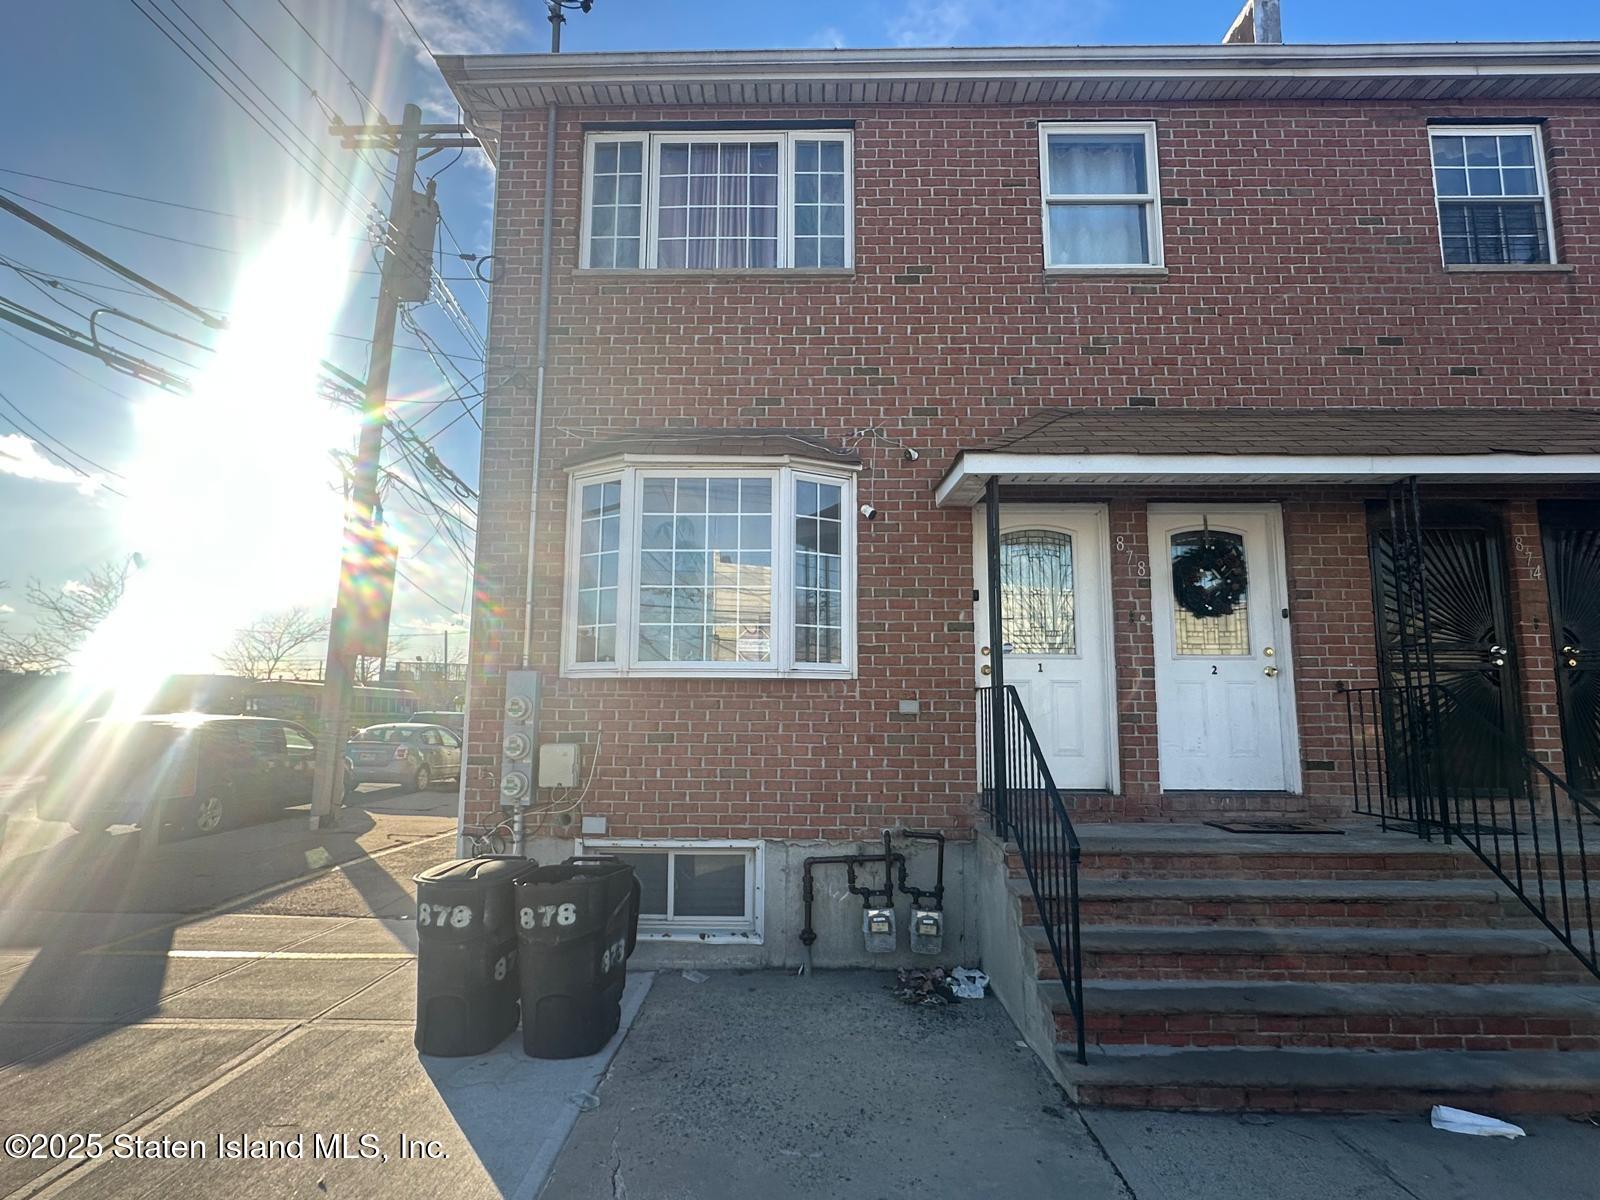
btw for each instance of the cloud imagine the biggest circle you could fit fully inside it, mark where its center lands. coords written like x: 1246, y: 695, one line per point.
x: 455, y: 26
x: 995, y: 23
x: 829, y: 37
x: 452, y: 27
x: 73, y: 587
x: 20, y: 456
x: 6, y: 608
x: 930, y: 23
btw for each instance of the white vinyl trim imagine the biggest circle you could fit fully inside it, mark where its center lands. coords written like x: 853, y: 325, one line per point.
x: 1287, y: 468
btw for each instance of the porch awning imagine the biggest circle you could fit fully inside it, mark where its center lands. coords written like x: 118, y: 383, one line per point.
x: 1076, y: 446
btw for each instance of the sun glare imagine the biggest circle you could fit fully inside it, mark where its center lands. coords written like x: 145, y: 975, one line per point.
x: 235, y: 506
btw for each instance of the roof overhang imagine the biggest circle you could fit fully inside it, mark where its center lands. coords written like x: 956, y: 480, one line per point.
x: 488, y: 85
x: 963, y: 484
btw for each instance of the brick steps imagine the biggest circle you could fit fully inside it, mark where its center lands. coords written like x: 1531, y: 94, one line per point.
x: 1362, y: 972
x: 1401, y: 904
x: 1311, y: 1080
x: 1323, y: 1015
x: 1315, y: 954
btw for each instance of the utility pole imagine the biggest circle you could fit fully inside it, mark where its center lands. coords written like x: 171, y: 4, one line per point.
x: 405, y: 277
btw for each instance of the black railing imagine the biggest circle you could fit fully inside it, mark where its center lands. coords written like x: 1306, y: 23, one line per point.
x: 1424, y: 759
x: 1022, y: 801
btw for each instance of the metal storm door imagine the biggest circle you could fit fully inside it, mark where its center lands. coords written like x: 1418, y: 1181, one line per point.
x: 1465, y: 627
x: 1572, y: 566
x: 1224, y: 705
x: 1053, y: 612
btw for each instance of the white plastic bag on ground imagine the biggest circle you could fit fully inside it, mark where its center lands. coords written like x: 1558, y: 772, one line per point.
x: 967, y: 983
x: 1459, y: 1120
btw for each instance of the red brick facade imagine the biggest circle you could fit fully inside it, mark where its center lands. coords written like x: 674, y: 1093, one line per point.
x: 1303, y: 268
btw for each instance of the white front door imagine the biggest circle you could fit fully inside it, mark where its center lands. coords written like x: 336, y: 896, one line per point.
x: 1224, y: 693
x: 1056, y: 645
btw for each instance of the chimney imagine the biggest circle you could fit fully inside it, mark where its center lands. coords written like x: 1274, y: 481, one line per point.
x: 1258, y: 22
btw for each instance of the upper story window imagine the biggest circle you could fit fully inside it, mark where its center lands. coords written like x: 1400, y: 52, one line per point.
x: 1102, y: 197
x: 723, y: 569
x: 718, y: 201
x: 1494, y: 199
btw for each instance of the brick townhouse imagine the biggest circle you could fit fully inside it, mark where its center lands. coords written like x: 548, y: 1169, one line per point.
x: 1256, y: 381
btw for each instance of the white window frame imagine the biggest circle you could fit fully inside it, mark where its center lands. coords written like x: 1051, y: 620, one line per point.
x: 747, y: 930
x: 1151, y: 199
x: 785, y: 471
x: 650, y: 216
x: 1544, y: 189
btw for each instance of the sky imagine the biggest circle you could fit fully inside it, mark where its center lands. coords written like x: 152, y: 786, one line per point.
x: 228, y: 495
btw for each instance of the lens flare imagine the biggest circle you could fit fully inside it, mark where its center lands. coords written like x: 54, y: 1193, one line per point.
x: 236, y: 504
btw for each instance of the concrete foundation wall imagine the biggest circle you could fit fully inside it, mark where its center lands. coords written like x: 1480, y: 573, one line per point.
x: 836, y: 913
x: 1008, y: 958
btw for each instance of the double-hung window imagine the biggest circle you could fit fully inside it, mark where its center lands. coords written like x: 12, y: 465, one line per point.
x: 722, y: 569
x: 1493, y: 197
x: 715, y: 201
x: 1101, y: 195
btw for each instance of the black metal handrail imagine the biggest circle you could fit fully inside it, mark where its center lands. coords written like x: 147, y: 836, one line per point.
x: 1423, y: 759
x: 1022, y: 801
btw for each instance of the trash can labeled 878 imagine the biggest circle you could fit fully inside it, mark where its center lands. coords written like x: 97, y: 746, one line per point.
x: 577, y: 923
x: 467, y: 954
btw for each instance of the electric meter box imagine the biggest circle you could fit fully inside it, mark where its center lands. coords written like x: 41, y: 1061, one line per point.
x: 558, y: 765
x: 519, y: 738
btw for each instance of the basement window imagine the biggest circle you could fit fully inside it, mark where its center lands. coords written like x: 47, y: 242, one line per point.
x: 711, y: 570
x: 718, y: 201
x: 692, y: 889
x: 1492, y: 194
x: 1101, y: 195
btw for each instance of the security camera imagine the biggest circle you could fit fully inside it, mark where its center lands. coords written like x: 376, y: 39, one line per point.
x: 869, y: 513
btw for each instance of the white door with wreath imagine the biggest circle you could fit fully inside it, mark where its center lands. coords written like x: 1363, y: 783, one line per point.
x: 1224, y: 686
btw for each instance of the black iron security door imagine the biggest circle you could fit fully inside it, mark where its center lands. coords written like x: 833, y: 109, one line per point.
x: 1458, y: 615
x: 1572, y: 568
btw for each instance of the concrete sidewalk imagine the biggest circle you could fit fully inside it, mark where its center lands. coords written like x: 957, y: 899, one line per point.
x: 282, y: 1013
x: 769, y: 1085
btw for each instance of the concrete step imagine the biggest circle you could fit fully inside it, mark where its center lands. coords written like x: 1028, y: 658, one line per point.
x: 1311, y: 1080
x: 1320, y: 954
x: 1355, y: 1016
x: 1399, y: 903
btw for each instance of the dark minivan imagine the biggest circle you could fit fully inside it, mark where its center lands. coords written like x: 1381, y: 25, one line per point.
x: 193, y: 772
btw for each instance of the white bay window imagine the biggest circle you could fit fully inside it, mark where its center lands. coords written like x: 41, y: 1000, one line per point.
x: 717, y: 200
x: 711, y: 569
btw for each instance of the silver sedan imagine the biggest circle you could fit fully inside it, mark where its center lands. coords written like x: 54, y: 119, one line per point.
x: 415, y: 756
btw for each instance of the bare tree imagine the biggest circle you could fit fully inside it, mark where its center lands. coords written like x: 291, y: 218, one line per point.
x: 266, y: 648
x: 63, y: 618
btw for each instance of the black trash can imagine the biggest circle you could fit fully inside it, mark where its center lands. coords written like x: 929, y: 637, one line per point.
x: 467, y: 954
x: 577, y: 924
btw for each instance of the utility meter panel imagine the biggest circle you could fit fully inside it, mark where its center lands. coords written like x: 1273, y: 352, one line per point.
x: 877, y: 929
x: 519, y: 738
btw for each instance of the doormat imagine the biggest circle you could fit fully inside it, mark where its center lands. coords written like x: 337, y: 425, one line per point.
x: 1273, y: 827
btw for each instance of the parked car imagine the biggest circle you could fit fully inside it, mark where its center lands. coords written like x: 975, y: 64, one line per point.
x: 416, y: 756
x: 192, y: 772
x: 456, y: 722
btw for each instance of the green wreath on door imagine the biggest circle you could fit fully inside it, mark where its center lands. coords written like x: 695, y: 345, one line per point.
x: 1210, y: 579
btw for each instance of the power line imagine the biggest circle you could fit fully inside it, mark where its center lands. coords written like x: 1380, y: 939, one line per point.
x: 273, y: 135
x: 51, y: 442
